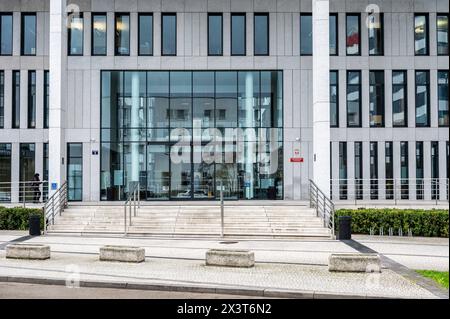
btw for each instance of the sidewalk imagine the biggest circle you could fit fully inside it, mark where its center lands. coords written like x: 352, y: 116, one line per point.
x: 295, y: 268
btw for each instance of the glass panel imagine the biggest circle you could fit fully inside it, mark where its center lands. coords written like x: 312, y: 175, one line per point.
x: 376, y: 36
x: 238, y: 36
x: 31, y: 99
x: 27, y: 171
x: 305, y: 34
x: 99, y: 34
x: 421, y: 34
x: 203, y: 174
x: 111, y: 176
x: 248, y: 99
x: 248, y: 168
x: 404, y: 171
x: 419, y: 171
x: 2, y: 99
x: 353, y: 99
x: 443, y: 98
x: 181, y: 170
x: 46, y: 98
x: 422, y: 98
x: 376, y: 103
x: 261, y: 34
x: 16, y: 100
x: 334, y: 100
x: 343, y: 170
x: 28, y: 34
x: 169, y: 34
x: 122, y: 34
x: 135, y: 168
x: 389, y: 167
x: 358, y: 170
x: 442, y: 34
x: 5, y: 172
x: 214, y: 34
x: 353, y: 36
x: 6, y: 34
x: 76, y: 34
x: 145, y: 34
x: 373, y: 170
x: 333, y: 34
x: 158, y: 171
x: 399, y: 99
x: 134, y: 100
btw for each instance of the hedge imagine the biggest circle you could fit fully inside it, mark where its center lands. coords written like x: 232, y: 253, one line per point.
x: 17, y: 218
x: 425, y: 223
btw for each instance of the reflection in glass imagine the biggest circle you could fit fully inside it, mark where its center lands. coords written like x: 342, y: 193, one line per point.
x: 169, y: 34
x: 238, y: 36
x: 5, y: 172
x: 353, y: 37
x: 261, y: 34
x: 443, y: 98
x: 27, y: 170
x: 28, y: 34
x: 31, y: 99
x: 399, y: 99
x: 442, y: 34
x: 333, y: 34
x: 334, y: 99
x: 214, y: 34
x: 376, y: 98
x: 422, y: 98
x: 354, y: 98
x: 306, y: 34
x: 6, y: 33
x: 145, y: 34
x: 376, y: 37
x: 99, y: 34
x: 122, y: 37
x: 421, y: 34
x: 75, y: 171
x: 75, y: 34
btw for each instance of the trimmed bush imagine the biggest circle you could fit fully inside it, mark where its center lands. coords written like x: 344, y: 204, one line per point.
x: 17, y: 218
x: 425, y: 223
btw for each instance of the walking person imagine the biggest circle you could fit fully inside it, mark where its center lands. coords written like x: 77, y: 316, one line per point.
x: 35, y: 187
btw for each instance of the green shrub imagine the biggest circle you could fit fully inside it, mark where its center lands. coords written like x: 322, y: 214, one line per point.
x: 426, y: 223
x: 16, y: 218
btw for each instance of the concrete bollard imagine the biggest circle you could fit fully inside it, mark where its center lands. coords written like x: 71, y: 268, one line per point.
x: 28, y: 251
x: 354, y: 263
x: 230, y: 258
x: 122, y: 253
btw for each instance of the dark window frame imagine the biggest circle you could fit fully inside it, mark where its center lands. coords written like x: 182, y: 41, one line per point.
x: 215, y: 14
x: 437, y: 47
x: 383, y: 101
x: 427, y: 34
x: 307, y: 14
x: 10, y: 14
x: 381, y: 16
x: 2, y: 99
x: 405, y: 88
x: 360, y: 98
x: 241, y: 14
x: 337, y: 98
x: 93, y: 14
x: 359, y: 33
x: 428, y: 98
x: 438, y: 85
x: 165, y: 14
x: 336, y: 15
x: 15, y: 122
x: 22, y: 38
x: 145, y: 14
x: 69, y: 34
x: 31, y: 122
x: 46, y: 103
x: 261, y: 14
x: 116, y: 15
x: 67, y: 168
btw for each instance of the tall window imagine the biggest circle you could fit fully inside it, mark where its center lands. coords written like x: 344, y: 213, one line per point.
x: 27, y: 170
x: 169, y: 34
x: 122, y: 37
x: 399, y: 99
x: 5, y: 172
x: 334, y: 34
x: 404, y: 171
x: 215, y: 34
x: 353, y: 36
x: 358, y: 170
x: 373, y: 170
x: 376, y: 34
x: 334, y: 99
x: 422, y: 98
x: 442, y: 34
x: 45, y: 166
x: 31, y: 99
x: 435, y: 169
x: 389, y: 170
x: 421, y: 46
x: 354, y: 98
x: 443, y: 98
x: 2, y: 99
x: 75, y: 171
x: 376, y: 96
x: 75, y: 34
x: 98, y: 36
x: 28, y: 36
x: 306, y: 42
x: 261, y: 34
x: 145, y: 34
x: 419, y: 170
x: 6, y: 33
x: 46, y: 98
x: 16, y: 99
x: 342, y: 170
x: 238, y: 34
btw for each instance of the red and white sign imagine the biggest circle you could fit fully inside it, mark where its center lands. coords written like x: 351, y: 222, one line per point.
x: 296, y: 160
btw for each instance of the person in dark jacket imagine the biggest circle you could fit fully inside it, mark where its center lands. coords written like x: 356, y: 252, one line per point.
x: 35, y: 187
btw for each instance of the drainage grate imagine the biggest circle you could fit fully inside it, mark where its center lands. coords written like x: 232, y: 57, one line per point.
x: 228, y: 242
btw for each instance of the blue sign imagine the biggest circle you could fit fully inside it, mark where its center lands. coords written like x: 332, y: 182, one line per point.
x: 54, y: 186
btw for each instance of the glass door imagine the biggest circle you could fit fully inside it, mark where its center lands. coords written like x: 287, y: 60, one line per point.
x: 158, y: 172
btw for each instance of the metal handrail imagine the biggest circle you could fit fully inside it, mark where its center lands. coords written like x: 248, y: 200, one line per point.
x: 133, y: 200
x: 24, y: 192
x: 323, y: 205
x: 55, y: 205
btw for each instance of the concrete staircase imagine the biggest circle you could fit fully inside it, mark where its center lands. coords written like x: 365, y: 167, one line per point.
x: 191, y: 220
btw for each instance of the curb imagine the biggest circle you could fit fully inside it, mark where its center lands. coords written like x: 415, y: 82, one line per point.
x: 200, y: 288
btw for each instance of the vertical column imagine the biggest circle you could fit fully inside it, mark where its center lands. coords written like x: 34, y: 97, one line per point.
x: 58, y: 85
x: 427, y: 169
x: 321, y: 95
x: 443, y: 170
x: 135, y: 123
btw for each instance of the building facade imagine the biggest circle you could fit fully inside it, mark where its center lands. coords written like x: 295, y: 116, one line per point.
x: 104, y: 93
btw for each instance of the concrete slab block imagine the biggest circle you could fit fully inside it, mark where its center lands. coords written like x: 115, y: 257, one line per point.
x: 230, y: 258
x: 354, y: 263
x: 28, y: 251
x: 122, y: 253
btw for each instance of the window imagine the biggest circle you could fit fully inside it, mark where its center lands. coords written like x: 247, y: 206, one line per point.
x: 421, y: 34
x: 238, y: 34
x: 443, y: 98
x: 122, y: 37
x: 399, y: 99
x: 98, y: 35
x: 145, y: 34
x: 5, y: 172
x: 27, y: 171
x: 422, y: 98
x: 419, y: 171
x: 31, y: 99
x: 46, y: 98
x: 342, y: 170
x: 373, y: 170
x: 404, y: 171
x: 45, y: 170
x: 75, y: 171
x: 354, y: 98
x: 6, y: 33
x: 28, y: 37
x: 16, y: 99
x: 435, y: 170
x: 334, y: 34
x: 376, y: 33
x: 358, y: 170
x: 261, y: 34
x: 376, y: 98
x: 169, y: 34
x: 334, y: 99
x: 389, y: 170
x: 75, y: 34
x: 306, y: 42
x: 215, y: 34
x: 442, y: 34
x: 353, y: 39
x: 2, y: 99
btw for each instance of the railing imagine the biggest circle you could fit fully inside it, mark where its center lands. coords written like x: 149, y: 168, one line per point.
x: 55, y: 205
x: 323, y: 205
x: 132, y: 203
x: 430, y: 190
x: 24, y: 192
